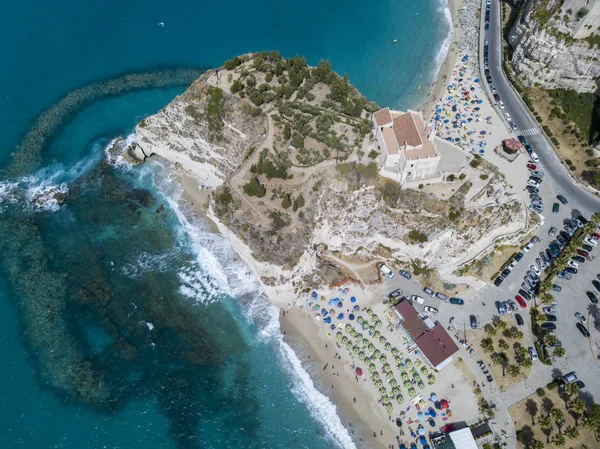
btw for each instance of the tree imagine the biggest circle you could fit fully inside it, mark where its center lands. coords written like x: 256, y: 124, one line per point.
x: 491, y: 331
x: 503, y: 344
x: 287, y: 133
x: 557, y: 415
x: 286, y: 202
x: 549, y: 340
x: 592, y: 418
x: 517, y: 334
x: 545, y: 422
x: 560, y: 351
x: 536, y: 444
x: 501, y: 325
x: 417, y: 236
x: 254, y: 188
x: 497, y: 360
x: 571, y: 390
x: 596, y: 217
x: 298, y: 203
x: 526, y: 363
x: 514, y: 370
x: 572, y: 432
x: 578, y: 406
x: 546, y: 297
x: 559, y: 440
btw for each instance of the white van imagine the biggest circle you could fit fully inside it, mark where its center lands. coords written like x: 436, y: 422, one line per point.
x: 386, y: 271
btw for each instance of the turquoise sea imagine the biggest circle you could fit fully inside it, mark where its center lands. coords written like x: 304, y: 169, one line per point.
x: 125, y: 323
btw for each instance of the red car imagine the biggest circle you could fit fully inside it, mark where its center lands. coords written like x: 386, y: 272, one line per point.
x: 496, y: 97
x: 531, y: 166
x: 521, y: 301
x: 582, y: 252
x: 595, y: 236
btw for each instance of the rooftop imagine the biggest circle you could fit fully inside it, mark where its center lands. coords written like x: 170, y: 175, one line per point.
x: 413, y: 323
x: 407, y: 128
x: 383, y: 116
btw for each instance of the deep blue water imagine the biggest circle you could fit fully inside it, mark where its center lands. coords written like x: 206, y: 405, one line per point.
x: 124, y: 323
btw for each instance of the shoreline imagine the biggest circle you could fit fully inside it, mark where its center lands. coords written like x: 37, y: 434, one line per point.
x: 445, y: 69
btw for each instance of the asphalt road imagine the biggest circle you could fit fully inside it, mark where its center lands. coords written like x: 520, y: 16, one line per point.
x: 556, y: 173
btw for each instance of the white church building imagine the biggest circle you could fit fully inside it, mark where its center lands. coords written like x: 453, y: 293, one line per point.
x: 409, y: 150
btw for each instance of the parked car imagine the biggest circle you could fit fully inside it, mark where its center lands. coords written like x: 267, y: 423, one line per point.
x: 571, y: 270
x: 498, y: 281
x: 534, y: 239
x: 555, y: 208
x: 528, y: 149
x: 457, y: 301
x: 549, y: 326
x: 582, y: 319
x: 507, y: 116
x: 535, y: 269
x: 396, y: 293
x: 521, y: 301
x: 592, y: 297
x: 595, y: 236
x: 519, y: 319
x: 523, y: 141
x: 550, y: 317
x: 590, y: 241
x: 549, y: 309
x: 431, y: 310
x: 519, y: 256
x: 417, y: 299
x: 404, y: 274
x: 564, y: 275
x: 442, y: 296
x: 496, y: 97
x: 528, y: 247
x: 571, y: 377
x: 505, y: 272
x: 556, y: 288
x: 579, y: 259
x: 429, y: 292
x: 531, y: 166
x: 473, y: 319
x: 534, y: 157
x: 562, y: 199
x: 584, y: 331
x: 552, y: 231
x: 587, y: 247
x: 507, y: 307
x: 573, y: 264
x: 532, y: 353
x: 569, y: 230
x: 511, y: 266
x: 532, y: 182
x: 532, y: 189
x: 596, y: 284
x: 501, y: 104
x: 500, y: 308
x: 537, y: 174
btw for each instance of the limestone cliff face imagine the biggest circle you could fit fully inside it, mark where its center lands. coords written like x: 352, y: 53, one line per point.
x: 557, y: 43
x: 208, y: 131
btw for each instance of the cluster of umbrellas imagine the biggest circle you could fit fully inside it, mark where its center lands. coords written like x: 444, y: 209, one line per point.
x: 456, y: 113
x: 328, y: 315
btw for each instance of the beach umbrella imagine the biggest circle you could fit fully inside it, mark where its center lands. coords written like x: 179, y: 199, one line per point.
x: 458, y: 139
x: 346, y: 290
x: 328, y: 320
x: 483, y: 132
x: 340, y: 291
x: 479, y: 101
x: 353, y: 299
x: 433, y: 397
x: 359, y: 371
x: 317, y: 306
x: 421, y: 430
x: 476, y: 80
x: 482, y: 151
x: 324, y: 312
x: 333, y: 301
x: 351, y: 316
x: 477, y: 108
x: 422, y: 439
x: 340, y: 316
x: 444, y: 404
x: 317, y: 317
x: 314, y: 295
x: 356, y: 308
x: 420, y: 415
x: 339, y: 304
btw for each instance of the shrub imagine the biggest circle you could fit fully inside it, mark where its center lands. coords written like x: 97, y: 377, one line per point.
x: 540, y: 392
x: 568, y: 162
x: 286, y: 202
x: 476, y: 162
x: 373, y: 154
x: 287, y: 133
x: 462, y: 176
x: 298, y: 203
x: 421, y: 186
x: 552, y: 385
x: 555, y: 141
x: 225, y: 197
x: 450, y: 178
x: 417, y: 236
x: 483, y: 176
x: 255, y: 188
x: 390, y: 192
x: 232, y: 63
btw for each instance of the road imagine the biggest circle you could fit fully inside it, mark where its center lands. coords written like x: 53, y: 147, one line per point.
x: 556, y: 173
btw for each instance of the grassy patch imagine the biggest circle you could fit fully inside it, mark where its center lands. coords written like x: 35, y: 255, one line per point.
x: 579, y: 108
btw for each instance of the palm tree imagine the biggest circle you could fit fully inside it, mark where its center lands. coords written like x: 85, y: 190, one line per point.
x: 497, y: 360
x: 572, y: 432
x: 491, y: 331
x: 536, y: 444
x: 526, y: 363
x: 501, y: 325
x: 596, y: 217
x: 514, y: 370
x: 549, y: 340
x: 517, y: 335
x: 560, y: 351
x: 546, y: 298
x: 545, y: 422
x: 571, y: 389
x: 559, y: 441
x: 558, y: 415
x: 578, y: 406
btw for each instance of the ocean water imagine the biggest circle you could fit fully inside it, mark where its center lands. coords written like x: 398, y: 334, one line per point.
x: 125, y: 322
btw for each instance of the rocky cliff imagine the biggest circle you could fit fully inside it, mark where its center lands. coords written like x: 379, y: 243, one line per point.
x: 557, y: 43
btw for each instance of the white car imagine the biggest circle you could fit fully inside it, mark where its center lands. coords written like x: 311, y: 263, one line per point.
x: 573, y: 264
x: 550, y: 310
x: 533, y: 182
x: 541, y: 263
x: 528, y: 247
x: 512, y: 265
x: 534, y: 157
x: 535, y: 269
x: 507, y: 115
x: 580, y: 317
x: 501, y: 104
x: 539, y: 174
x: 590, y: 241
x: 431, y: 310
x: 493, y: 88
x: 532, y: 353
x: 417, y: 299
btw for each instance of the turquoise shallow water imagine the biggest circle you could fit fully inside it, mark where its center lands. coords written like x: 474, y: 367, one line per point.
x: 124, y: 323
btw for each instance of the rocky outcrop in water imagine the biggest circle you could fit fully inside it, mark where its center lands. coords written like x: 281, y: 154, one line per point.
x: 557, y: 43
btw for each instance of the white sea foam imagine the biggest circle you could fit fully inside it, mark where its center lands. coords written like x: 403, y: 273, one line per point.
x: 445, y: 47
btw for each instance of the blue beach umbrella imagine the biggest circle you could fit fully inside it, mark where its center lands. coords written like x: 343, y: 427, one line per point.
x: 324, y: 312
x: 328, y: 320
x: 353, y: 299
x: 314, y: 295
x: 333, y: 301
x: 341, y: 316
x: 339, y: 304
x: 351, y: 316
x: 476, y: 80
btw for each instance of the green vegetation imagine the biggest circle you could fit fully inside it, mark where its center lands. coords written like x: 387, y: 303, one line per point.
x: 298, y: 203
x: 214, y: 109
x: 417, y: 236
x: 578, y: 108
x: 286, y: 202
x: 225, y: 197
x: 373, y: 154
x: 255, y: 188
x: 272, y: 168
x: 358, y: 174
x: 390, y: 192
x: 476, y: 162
x: 483, y: 176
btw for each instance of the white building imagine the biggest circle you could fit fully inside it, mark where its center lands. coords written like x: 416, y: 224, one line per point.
x: 409, y: 151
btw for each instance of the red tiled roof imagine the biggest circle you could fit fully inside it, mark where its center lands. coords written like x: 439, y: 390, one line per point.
x: 383, y: 116
x: 436, y: 345
x: 413, y: 323
x: 406, y: 130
